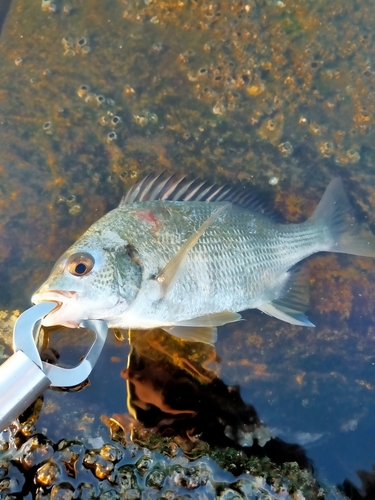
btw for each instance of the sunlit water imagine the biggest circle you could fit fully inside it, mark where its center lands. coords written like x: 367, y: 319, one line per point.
x: 278, y: 95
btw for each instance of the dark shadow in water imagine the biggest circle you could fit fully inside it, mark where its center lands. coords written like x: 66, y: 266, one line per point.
x: 172, y: 387
x: 366, y: 492
x: 4, y: 9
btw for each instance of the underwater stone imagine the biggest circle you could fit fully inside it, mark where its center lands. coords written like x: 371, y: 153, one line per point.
x: 157, y: 48
x: 62, y: 491
x: 156, y: 477
x: 47, y: 474
x: 153, y: 473
x: 71, y: 199
x: 75, y: 209
x: 116, y: 120
x: 144, y: 464
x: 86, y: 491
x: 67, y: 41
x: 46, y: 5
x: 96, y: 178
x: 82, y: 42
x: 218, y: 109
x: 112, y: 136
x: 47, y: 127
x: 353, y: 155
x: 140, y: 120
x: 285, y: 148
x: 326, y: 148
x: 273, y: 181
x: 100, y: 99
x: 111, y: 453
x: 4, y: 469
x: 128, y: 90
x: 152, y: 118
x: 103, y: 468
x: 83, y: 90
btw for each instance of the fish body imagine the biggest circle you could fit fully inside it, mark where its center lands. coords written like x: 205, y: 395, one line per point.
x: 240, y: 259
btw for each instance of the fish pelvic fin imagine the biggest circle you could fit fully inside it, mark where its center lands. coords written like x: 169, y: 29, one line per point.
x: 168, y: 275
x: 205, y: 334
x: 335, y: 213
x: 202, y: 328
x: 294, y: 302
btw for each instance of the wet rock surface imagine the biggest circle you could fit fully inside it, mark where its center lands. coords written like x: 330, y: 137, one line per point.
x: 278, y: 94
x: 134, y: 467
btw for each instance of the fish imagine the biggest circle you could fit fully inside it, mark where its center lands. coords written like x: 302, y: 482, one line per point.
x: 187, y: 256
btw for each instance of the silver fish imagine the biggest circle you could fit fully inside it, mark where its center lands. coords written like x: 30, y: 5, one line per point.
x: 188, y: 256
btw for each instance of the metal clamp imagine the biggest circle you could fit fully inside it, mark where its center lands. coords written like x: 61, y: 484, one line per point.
x: 24, y: 376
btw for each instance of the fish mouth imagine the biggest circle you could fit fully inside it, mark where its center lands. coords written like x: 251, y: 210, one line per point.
x: 61, y: 315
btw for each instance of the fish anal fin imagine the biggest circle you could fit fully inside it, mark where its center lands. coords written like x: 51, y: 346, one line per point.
x: 294, y: 301
x: 289, y: 316
x: 205, y: 334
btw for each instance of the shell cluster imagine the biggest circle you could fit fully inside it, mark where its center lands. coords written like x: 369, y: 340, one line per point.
x: 68, y: 470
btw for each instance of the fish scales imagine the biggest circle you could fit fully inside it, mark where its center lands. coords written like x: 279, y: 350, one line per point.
x: 166, y: 263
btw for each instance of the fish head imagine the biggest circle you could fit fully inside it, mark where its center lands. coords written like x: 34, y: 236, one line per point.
x: 91, y: 282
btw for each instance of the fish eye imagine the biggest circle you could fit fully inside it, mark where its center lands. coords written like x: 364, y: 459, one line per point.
x: 80, y: 264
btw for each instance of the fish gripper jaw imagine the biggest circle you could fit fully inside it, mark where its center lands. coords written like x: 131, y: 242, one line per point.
x: 24, y: 376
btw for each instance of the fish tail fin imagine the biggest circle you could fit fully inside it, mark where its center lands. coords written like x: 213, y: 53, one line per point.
x: 335, y: 213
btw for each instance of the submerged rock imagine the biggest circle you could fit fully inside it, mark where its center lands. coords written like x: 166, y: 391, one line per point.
x: 149, y: 469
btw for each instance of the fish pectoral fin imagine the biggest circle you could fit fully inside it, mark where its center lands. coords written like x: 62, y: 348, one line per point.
x: 291, y: 316
x: 202, y: 328
x: 168, y: 275
x: 205, y: 334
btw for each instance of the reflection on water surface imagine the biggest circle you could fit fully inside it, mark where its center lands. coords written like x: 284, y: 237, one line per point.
x: 93, y: 96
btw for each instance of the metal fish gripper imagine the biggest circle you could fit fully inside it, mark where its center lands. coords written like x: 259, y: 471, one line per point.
x: 24, y: 376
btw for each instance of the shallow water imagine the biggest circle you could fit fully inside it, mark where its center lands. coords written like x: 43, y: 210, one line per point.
x: 243, y: 92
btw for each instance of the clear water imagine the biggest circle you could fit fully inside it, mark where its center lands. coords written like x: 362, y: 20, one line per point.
x: 280, y: 95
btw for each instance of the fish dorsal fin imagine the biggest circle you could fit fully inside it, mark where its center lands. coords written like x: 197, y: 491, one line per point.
x: 168, y: 275
x: 179, y: 188
x: 291, y: 306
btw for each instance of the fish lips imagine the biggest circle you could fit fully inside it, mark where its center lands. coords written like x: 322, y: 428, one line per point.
x: 63, y: 314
